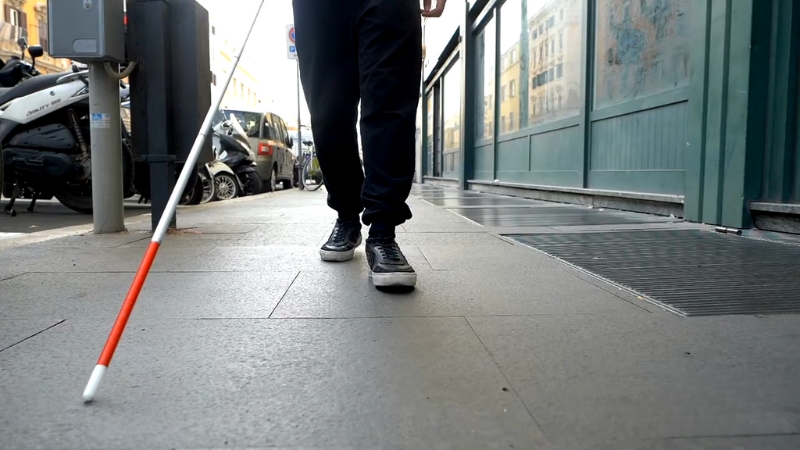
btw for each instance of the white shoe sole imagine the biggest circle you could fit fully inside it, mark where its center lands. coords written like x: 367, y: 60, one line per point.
x: 397, y: 279
x: 331, y: 256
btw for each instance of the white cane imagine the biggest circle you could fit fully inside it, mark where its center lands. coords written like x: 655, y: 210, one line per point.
x: 161, y: 231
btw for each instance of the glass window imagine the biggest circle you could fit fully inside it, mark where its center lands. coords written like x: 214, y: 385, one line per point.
x: 511, y: 43
x: 557, y: 73
x: 249, y: 121
x: 268, y: 131
x: 645, y: 49
x: 283, y: 132
x: 452, y: 122
x: 485, y: 48
x: 552, y: 64
x: 429, y: 133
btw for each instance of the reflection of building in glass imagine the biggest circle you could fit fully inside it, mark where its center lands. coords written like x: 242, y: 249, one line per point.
x: 555, y: 61
x: 485, y: 81
x: 509, y: 89
x: 452, y: 122
x: 642, y: 49
x: 540, y: 81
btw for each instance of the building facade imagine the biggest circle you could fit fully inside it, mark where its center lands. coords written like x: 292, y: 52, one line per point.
x: 243, y: 90
x: 28, y: 18
x: 684, y: 107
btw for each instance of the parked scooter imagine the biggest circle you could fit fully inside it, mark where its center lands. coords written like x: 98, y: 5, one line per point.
x: 45, y: 140
x: 16, y: 70
x: 232, y: 148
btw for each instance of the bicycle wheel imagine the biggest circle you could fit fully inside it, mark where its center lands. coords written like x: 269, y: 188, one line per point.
x: 317, y: 185
x: 313, y: 172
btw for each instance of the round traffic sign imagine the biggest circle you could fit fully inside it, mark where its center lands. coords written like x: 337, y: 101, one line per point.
x: 291, y: 34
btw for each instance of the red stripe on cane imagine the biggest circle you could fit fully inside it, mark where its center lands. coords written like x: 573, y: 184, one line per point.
x: 127, y: 305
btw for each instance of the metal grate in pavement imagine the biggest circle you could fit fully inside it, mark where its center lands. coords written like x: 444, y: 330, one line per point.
x: 691, y: 272
x: 536, y: 216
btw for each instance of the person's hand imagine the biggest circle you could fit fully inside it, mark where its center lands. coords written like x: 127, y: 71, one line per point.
x: 435, y: 12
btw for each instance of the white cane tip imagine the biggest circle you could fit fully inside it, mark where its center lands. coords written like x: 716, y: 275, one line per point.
x: 94, y: 383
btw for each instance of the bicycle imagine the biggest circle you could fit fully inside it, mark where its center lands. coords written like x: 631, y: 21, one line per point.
x: 310, y: 170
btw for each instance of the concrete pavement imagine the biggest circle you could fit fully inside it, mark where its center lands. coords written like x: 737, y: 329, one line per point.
x: 243, y: 338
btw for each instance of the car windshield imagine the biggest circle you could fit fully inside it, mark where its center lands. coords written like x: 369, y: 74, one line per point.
x: 248, y: 120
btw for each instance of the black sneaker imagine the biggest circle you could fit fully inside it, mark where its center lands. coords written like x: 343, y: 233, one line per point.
x: 388, y: 266
x: 341, y: 246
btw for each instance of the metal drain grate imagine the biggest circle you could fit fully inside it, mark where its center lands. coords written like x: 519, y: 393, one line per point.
x: 691, y: 272
x: 542, y: 216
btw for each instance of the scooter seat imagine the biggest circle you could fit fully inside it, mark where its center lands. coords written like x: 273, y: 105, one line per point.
x: 29, y: 86
x: 4, y: 90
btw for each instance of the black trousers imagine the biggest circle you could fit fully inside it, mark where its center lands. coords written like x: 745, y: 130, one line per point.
x: 367, y: 50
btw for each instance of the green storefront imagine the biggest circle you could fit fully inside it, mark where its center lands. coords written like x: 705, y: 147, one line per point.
x: 684, y: 107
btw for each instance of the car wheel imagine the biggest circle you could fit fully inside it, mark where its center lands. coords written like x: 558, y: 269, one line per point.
x: 272, y: 183
x: 226, y: 186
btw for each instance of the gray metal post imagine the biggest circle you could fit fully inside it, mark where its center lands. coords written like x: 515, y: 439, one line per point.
x: 106, y: 150
x: 299, y: 126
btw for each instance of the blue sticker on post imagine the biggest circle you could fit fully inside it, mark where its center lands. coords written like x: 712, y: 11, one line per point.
x: 100, y: 121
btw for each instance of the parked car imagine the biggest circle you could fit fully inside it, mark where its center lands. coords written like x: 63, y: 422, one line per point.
x: 275, y: 161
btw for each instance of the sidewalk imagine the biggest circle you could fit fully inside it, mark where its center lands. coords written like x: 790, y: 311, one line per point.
x: 243, y: 338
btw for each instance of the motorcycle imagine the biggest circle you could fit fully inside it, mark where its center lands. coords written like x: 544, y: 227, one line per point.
x: 232, y: 148
x: 45, y: 139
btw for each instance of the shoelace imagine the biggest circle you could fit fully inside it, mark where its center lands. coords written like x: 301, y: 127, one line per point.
x: 339, y: 232
x: 389, y: 250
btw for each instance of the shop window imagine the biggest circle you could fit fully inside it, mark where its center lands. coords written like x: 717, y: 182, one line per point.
x: 452, y: 119
x: 485, y: 80
x: 429, y: 132
x: 647, y: 46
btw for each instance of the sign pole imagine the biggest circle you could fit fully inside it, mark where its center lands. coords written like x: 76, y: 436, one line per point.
x: 291, y: 53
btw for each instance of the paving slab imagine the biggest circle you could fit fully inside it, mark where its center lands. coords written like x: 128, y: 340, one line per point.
x: 95, y: 259
x: 501, y: 256
x: 367, y: 383
x: 547, y: 290
x: 13, y: 332
x: 596, y: 381
x: 78, y: 296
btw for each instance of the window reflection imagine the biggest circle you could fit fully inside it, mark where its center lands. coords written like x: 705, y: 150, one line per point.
x: 452, y: 120
x: 429, y: 133
x: 642, y: 48
x: 542, y: 84
x: 485, y: 52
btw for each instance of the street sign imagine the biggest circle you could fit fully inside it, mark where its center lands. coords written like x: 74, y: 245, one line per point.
x: 291, y: 48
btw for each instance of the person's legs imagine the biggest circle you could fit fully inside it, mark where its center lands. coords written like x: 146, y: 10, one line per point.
x: 390, y: 62
x: 328, y: 50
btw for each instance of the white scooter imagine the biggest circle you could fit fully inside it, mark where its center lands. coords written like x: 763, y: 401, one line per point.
x: 45, y: 141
